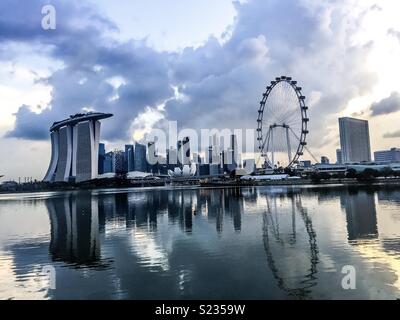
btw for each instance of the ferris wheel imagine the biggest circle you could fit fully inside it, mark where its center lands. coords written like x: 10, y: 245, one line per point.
x: 282, y: 124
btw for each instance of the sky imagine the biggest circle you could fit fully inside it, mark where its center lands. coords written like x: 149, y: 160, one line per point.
x: 203, y: 63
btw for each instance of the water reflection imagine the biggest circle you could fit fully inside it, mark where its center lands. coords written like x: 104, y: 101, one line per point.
x: 286, y: 231
x: 205, y: 243
x: 361, y: 215
x: 74, y: 229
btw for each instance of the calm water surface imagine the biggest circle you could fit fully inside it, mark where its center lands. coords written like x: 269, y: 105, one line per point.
x: 192, y: 243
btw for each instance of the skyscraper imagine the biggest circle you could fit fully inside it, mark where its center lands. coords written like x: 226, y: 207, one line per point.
x: 233, y: 154
x: 214, y: 156
x: 339, y: 157
x: 108, y: 162
x: 129, y: 158
x: 183, y: 148
x: 172, y: 157
x: 102, y: 156
x: 119, y: 161
x: 75, y: 148
x: 152, y: 163
x: 354, y: 140
x: 140, y: 158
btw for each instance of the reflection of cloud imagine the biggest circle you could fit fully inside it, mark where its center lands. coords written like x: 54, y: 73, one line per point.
x: 20, y: 281
x: 374, y: 252
x: 148, y: 251
x: 9, y: 280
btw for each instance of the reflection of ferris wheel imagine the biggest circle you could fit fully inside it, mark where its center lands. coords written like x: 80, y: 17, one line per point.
x: 275, y: 237
x: 282, y: 123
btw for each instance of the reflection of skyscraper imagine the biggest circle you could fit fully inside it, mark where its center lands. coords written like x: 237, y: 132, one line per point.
x: 361, y: 215
x: 75, y: 148
x: 74, y: 229
x: 233, y: 204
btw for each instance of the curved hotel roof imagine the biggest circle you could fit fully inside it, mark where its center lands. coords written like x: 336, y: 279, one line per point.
x: 79, y: 117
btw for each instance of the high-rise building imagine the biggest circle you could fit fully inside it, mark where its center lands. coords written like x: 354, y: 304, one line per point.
x: 339, y: 157
x: 233, y: 154
x: 179, y: 151
x: 214, y: 169
x: 354, y: 140
x: 129, y: 157
x: 224, y: 161
x: 75, y: 148
x: 162, y: 167
x: 140, y: 158
x: 172, y: 158
x: 183, y: 148
x: 152, y: 162
x: 324, y: 160
x: 102, y: 156
x: 108, y: 162
x: 305, y: 163
x: 197, y: 158
x: 214, y: 155
x: 392, y: 155
x: 119, y: 162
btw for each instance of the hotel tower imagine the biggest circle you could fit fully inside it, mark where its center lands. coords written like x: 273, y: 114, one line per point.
x: 75, y: 148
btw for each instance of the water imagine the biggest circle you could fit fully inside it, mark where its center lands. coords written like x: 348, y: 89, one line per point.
x: 192, y: 243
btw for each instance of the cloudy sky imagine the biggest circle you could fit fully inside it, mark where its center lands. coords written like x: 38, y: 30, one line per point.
x: 204, y: 63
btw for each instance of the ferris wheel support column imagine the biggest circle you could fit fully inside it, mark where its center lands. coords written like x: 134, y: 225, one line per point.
x: 272, y: 149
x: 288, y: 144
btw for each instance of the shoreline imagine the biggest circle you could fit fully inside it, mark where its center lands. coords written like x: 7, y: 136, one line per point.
x: 392, y: 182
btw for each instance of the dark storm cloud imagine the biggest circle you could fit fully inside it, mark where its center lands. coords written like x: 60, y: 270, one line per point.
x: 90, y: 61
x: 395, y: 134
x: 26, y: 124
x: 387, y: 105
x: 220, y: 84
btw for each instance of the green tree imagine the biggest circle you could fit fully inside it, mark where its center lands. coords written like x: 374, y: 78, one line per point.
x: 368, y: 175
x: 351, y: 173
x: 387, y: 172
x: 325, y: 176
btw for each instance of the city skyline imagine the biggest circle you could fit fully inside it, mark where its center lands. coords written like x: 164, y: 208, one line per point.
x: 70, y: 160
x: 197, y: 68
